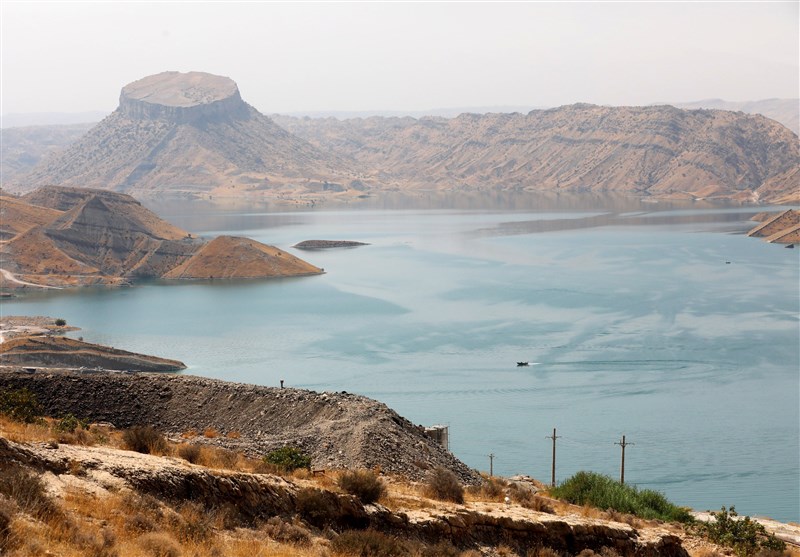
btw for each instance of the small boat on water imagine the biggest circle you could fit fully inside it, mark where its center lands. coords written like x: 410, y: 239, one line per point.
x: 522, y: 364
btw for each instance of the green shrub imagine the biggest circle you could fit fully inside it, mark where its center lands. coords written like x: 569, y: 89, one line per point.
x: 20, y: 405
x: 363, y: 484
x: 444, y: 485
x: 369, y: 543
x: 603, y: 492
x: 69, y: 423
x: 60, y: 322
x: 743, y: 535
x: 288, y: 459
x: 145, y: 439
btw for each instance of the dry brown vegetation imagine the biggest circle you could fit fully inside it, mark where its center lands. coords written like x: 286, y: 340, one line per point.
x: 73, y: 521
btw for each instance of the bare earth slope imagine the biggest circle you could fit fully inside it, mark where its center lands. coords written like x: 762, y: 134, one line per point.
x: 102, y: 237
x: 658, y: 150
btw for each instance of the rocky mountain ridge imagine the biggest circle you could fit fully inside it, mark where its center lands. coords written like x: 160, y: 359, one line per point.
x: 656, y: 151
x: 193, y: 134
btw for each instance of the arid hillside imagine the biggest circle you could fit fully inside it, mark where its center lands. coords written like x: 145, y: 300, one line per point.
x: 60, y: 236
x: 658, y: 151
x: 785, y: 111
x: 191, y: 133
x: 187, y: 132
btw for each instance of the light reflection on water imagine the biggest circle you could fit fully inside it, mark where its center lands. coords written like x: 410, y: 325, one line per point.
x: 637, y: 323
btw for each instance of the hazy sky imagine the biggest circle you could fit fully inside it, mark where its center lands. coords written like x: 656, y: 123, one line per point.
x: 288, y: 57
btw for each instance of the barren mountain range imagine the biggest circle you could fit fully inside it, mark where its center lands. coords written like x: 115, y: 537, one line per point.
x: 192, y: 133
x: 62, y: 236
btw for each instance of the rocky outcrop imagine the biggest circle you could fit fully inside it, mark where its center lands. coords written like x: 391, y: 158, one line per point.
x: 80, y: 236
x: 781, y: 228
x: 263, y: 496
x: 183, y: 98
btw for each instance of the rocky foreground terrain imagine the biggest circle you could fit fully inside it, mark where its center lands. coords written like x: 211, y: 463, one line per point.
x: 81, y: 488
x: 486, y: 526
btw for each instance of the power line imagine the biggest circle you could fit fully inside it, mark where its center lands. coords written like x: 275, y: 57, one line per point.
x: 623, y: 444
x: 553, y: 469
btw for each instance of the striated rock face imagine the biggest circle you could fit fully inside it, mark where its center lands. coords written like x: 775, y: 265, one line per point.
x: 182, y: 98
x: 80, y: 236
x: 658, y: 151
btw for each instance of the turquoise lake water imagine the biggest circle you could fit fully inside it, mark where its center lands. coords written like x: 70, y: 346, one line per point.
x: 662, y: 323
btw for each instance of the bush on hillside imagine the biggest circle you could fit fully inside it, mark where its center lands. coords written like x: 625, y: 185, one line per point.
x: 743, y: 535
x: 288, y: 459
x: 364, y: 484
x: 20, y: 405
x: 69, y: 423
x: 60, y: 322
x: 145, y: 439
x: 190, y: 452
x: 444, y: 485
x: 603, y: 492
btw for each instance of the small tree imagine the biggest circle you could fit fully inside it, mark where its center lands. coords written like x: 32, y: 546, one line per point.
x: 288, y: 459
x: 60, y: 322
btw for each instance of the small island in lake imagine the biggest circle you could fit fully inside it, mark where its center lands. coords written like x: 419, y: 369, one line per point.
x: 326, y: 244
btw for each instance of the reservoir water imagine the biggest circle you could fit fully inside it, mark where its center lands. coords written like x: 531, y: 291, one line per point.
x: 659, y: 322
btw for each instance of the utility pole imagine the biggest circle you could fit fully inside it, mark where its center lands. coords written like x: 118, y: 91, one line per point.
x: 553, y: 469
x: 491, y: 465
x: 623, y: 444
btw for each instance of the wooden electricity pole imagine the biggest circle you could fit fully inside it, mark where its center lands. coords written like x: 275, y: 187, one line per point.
x: 491, y: 465
x: 553, y: 469
x: 622, y: 444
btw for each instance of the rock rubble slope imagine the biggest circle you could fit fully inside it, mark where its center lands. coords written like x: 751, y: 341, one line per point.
x: 338, y: 430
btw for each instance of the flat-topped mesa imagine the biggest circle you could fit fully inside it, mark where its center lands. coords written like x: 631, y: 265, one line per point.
x: 183, y: 98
